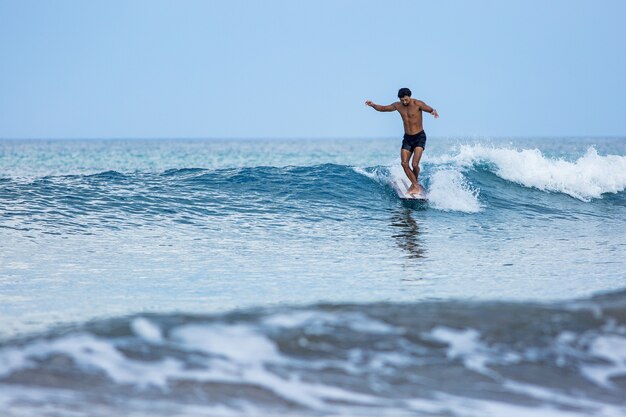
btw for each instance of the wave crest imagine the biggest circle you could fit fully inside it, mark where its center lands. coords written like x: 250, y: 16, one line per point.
x: 588, y: 177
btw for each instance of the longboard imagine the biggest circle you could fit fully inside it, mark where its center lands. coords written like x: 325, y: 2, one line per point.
x: 400, y: 186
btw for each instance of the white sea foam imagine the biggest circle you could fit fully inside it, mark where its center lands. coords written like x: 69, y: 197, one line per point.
x: 612, y: 349
x: 469, y: 407
x: 240, y: 357
x: 90, y: 352
x: 315, y: 319
x: 464, y: 345
x: 238, y: 343
x: 371, y: 175
x: 147, y: 330
x: 588, y: 177
x: 240, y: 354
x: 249, y: 352
x: 450, y: 191
x: 297, y: 319
x: 244, y: 354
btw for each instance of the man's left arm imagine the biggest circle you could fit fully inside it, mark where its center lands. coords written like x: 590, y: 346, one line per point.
x: 425, y: 107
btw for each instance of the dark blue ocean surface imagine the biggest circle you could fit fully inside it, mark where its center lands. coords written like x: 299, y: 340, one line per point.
x: 158, y: 236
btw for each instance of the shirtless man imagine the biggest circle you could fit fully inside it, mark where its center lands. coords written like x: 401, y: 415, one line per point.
x: 414, y: 137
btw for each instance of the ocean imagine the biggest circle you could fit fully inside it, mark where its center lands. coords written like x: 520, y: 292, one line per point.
x: 286, y: 278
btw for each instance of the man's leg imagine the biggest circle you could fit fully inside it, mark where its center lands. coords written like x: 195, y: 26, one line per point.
x: 405, y: 155
x: 417, y: 155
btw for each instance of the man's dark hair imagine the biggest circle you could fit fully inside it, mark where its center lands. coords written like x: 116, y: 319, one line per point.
x: 404, y: 92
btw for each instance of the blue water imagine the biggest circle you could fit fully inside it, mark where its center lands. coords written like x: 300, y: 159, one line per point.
x: 135, y: 242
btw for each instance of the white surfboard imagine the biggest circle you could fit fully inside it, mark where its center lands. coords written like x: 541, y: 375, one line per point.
x: 400, y: 186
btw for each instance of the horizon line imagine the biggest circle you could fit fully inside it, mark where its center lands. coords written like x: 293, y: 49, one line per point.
x: 472, y: 137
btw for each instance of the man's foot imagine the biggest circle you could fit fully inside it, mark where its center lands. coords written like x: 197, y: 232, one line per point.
x: 413, y: 189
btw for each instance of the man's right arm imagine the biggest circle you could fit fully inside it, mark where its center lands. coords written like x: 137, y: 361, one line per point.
x: 378, y: 107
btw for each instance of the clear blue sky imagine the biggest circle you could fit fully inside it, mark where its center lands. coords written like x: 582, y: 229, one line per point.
x: 302, y: 69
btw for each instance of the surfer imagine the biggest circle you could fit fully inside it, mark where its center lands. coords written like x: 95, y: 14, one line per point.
x: 414, y: 137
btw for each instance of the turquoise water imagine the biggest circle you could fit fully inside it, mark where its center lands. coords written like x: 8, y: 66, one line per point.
x: 101, y: 235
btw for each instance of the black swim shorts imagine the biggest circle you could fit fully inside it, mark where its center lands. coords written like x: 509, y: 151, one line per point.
x: 411, y: 142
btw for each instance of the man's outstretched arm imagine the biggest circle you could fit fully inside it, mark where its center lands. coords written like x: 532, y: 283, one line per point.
x: 425, y: 107
x: 378, y: 107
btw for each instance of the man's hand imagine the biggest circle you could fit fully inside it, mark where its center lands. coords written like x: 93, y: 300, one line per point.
x: 434, y: 113
x: 369, y: 103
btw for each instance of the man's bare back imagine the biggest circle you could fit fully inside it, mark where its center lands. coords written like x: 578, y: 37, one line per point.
x: 414, y: 141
